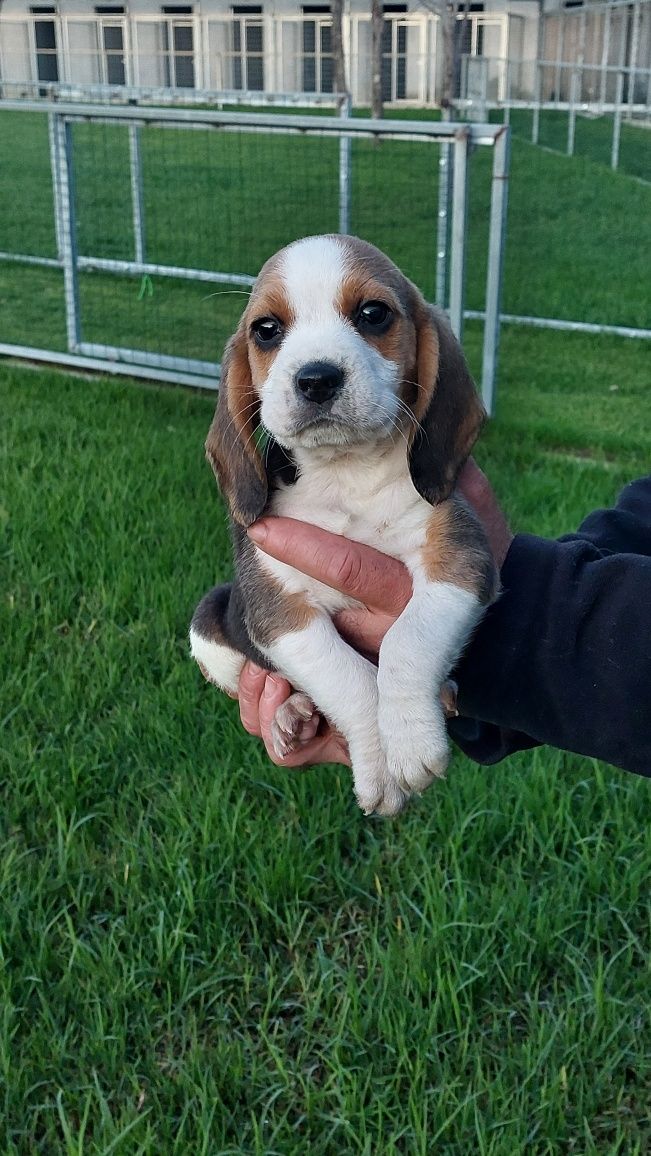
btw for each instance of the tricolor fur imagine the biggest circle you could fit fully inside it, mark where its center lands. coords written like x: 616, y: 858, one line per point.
x: 370, y: 412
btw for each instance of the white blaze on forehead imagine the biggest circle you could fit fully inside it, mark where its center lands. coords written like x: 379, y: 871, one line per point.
x: 313, y: 271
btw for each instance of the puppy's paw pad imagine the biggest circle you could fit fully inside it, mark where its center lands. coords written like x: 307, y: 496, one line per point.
x: 295, y: 723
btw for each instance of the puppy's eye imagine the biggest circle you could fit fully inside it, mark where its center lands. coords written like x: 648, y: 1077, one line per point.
x: 267, y: 332
x: 374, y: 316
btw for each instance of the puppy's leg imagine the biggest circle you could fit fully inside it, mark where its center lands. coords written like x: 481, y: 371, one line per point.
x: 416, y: 656
x: 343, y: 686
x: 219, y: 642
x: 221, y: 662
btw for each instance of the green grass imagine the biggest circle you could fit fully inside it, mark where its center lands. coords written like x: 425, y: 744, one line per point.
x: 593, y: 138
x: 201, y: 953
x: 577, y: 246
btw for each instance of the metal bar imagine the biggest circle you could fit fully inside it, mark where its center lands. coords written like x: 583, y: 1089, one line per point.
x: 135, y: 269
x: 635, y: 48
x: 571, y: 120
x: 65, y: 177
x: 345, y: 183
x: 605, y: 52
x: 137, y: 196
x: 535, y: 124
x: 507, y: 101
x: 569, y: 326
x: 260, y: 122
x: 484, y: 86
x: 558, y: 106
x: 458, y: 245
x: 56, y: 192
x: 112, y: 353
x: 443, y: 220
x: 617, y: 122
x: 28, y: 259
x: 559, y: 56
x: 108, y: 368
x: 496, y: 240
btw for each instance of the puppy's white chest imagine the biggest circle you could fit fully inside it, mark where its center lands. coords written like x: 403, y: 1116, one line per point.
x: 367, y: 501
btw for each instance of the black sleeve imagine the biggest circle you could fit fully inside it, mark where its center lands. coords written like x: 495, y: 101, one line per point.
x: 564, y: 656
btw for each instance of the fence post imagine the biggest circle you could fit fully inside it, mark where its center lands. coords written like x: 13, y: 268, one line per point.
x: 344, y: 168
x: 571, y: 123
x: 535, y: 123
x: 62, y: 135
x: 496, y: 239
x: 605, y: 52
x: 484, y: 89
x: 458, y: 247
x: 137, y: 197
x: 617, y: 121
x: 635, y: 48
x: 56, y: 189
x: 443, y: 214
x: 507, y: 94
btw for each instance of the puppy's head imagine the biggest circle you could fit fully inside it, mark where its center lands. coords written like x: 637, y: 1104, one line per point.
x: 337, y: 348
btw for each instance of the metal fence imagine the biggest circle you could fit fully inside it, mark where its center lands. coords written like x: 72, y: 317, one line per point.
x: 156, y: 220
x: 557, y: 95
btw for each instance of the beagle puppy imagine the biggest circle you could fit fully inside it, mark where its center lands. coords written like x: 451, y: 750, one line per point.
x: 346, y: 402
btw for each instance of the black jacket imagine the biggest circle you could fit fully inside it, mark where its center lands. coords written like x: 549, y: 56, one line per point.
x: 564, y: 655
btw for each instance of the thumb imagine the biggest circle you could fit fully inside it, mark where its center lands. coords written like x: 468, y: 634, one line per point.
x: 359, y: 571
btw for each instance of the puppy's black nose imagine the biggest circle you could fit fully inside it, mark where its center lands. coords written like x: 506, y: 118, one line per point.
x: 319, y: 381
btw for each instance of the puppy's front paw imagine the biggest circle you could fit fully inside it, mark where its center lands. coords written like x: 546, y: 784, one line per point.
x: 295, y: 723
x: 376, y: 790
x: 415, y: 745
x: 386, y: 798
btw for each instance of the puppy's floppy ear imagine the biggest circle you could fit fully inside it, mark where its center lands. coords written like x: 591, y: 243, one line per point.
x: 231, y: 446
x: 448, y: 407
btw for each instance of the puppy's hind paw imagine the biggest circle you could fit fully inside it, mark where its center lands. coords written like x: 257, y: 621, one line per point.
x: 295, y: 723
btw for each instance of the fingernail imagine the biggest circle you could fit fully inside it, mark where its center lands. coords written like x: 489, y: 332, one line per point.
x: 258, y: 532
x: 255, y: 670
x: 270, y: 687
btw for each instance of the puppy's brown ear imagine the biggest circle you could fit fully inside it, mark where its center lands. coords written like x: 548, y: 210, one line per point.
x: 231, y: 446
x: 448, y: 408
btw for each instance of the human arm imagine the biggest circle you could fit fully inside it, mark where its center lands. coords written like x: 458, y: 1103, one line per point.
x: 564, y: 657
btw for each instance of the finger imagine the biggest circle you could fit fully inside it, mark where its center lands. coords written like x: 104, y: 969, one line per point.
x: 474, y: 485
x: 250, y: 688
x: 328, y: 748
x: 357, y: 570
x: 477, y: 490
x: 364, y: 630
x: 276, y: 691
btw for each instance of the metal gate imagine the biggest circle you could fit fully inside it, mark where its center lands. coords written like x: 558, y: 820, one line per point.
x: 110, y: 149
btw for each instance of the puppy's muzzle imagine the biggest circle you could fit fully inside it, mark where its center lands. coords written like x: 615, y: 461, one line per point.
x: 319, y: 381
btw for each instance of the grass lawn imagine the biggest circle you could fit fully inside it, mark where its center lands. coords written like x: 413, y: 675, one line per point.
x: 593, y: 139
x: 201, y: 953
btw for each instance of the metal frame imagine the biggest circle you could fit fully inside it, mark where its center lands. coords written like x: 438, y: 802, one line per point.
x: 459, y: 138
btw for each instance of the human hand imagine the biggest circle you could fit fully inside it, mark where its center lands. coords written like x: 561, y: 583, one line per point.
x: 477, y: 490
x: 260, y: 695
